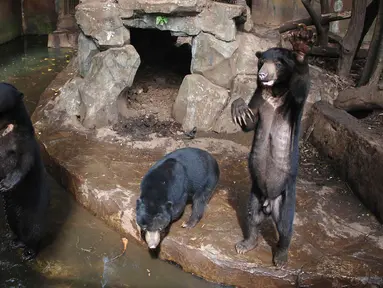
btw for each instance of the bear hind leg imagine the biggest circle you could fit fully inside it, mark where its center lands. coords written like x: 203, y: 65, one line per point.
x: 254, y: 218
x: 283, y: 215
x: 200, y: 200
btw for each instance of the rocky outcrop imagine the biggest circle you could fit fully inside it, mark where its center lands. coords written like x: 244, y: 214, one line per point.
x: 105, y: 25
x: 86, y: 50
x: 213, y: 58
x: 180, y: 25
x: 221, y: 51
x: 243, y: 86
x: 110, y: 72
x: 101, y: 21
x: 164, y: 6
x: 218, y: 19
x: 199, y: 103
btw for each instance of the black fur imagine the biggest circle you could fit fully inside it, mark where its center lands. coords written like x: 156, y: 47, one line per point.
x: 185, y: 174
x: 274, y: 113
x: 23, y: 184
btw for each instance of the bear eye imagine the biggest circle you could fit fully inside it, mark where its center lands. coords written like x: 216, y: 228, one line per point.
x: 278, y: 63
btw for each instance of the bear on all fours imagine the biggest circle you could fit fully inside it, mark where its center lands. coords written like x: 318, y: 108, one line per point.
x: 274, y: 114
x: 23, y: 184
x: 182, y: 175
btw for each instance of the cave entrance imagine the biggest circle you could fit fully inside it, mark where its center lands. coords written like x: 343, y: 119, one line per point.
x: 165, y: 61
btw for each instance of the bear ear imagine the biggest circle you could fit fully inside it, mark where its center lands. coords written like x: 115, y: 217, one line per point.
x: 169, y: 205
x: 258, y: 54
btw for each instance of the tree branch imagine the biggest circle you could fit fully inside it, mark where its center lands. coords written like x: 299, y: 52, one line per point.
x: 351, y: 40
x: 334, y: 52
x: 325, y: 8
x: 316, y: 21
x: 371, y: 12
x: 373, y: 50
x: 325, y: 19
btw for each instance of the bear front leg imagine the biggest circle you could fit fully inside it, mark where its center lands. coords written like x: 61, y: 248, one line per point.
x: 14, y: 178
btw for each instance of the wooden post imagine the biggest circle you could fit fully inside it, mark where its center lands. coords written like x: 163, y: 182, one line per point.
x: 351, y: 40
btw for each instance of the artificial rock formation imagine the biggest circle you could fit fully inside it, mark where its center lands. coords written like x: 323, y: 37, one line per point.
x: 217, y: 57
x: 223, y: 54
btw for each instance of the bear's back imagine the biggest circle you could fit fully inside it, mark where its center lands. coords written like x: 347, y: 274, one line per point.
x: 191, y: 166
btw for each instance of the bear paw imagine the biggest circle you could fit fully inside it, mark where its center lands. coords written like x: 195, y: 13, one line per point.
x: 189, y: 224
x: 280, y: 258
x: 28, y: 254
x: 239, y: 112
x: 246, y: 245
x: 301, y: 39
x: 16, y: 244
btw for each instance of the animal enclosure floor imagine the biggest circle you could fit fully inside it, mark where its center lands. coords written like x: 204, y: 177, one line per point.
x: 336, y: 242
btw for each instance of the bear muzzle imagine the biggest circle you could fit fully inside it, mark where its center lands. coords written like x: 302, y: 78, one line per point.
x: 152, y: 238
x: 267, y: 74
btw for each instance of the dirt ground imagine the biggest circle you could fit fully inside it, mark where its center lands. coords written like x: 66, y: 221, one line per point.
x: 374, y: 122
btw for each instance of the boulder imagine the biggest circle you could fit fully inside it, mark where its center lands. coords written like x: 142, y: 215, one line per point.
x: 181, y: 25
x: 243, y: 86
x: 174, y: 7
x: 213, y: 59
x: 69, y: 99
x: 218, y: 19
x: 249, y: 24
x: 199, y: 103
x: 86, y: 50
x: 110, y: 72
x: 245, y: 60
x: 101, y: 21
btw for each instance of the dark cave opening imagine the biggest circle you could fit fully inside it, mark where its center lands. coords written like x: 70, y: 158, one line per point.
x: 146, y: 107
x: 161, y: 51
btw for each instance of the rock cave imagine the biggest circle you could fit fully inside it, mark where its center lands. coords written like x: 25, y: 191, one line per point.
x: 117, y: 109
x: 221, y: 66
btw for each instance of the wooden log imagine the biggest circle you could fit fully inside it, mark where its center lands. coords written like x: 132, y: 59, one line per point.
x: 325, y: 19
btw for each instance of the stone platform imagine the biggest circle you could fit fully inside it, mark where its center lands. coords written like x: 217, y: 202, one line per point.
x: 337, y: 242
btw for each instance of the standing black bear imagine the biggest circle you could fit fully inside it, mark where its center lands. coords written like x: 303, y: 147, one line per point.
x: 23, y: 184
x: 187, y: 173
x: 274, y: 113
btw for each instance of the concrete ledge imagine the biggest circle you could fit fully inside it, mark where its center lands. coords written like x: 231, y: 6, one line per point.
x: 357, y: 153
x: 333, y: 244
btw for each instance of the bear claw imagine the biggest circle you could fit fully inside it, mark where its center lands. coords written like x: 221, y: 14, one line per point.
x: 28, y: 254
x: 16, y: 244
x: 240, y: 111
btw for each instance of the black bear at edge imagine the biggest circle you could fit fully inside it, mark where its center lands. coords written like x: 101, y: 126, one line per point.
x: 23, y: 184
x: 182, y: 175
x: 274, y: 114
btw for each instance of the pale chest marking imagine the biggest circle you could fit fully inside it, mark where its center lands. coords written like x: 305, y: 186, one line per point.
x: 275, y: 102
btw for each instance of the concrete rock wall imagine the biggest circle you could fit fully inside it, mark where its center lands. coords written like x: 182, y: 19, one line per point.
x: 39, y: 16
x: 10, y: 20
